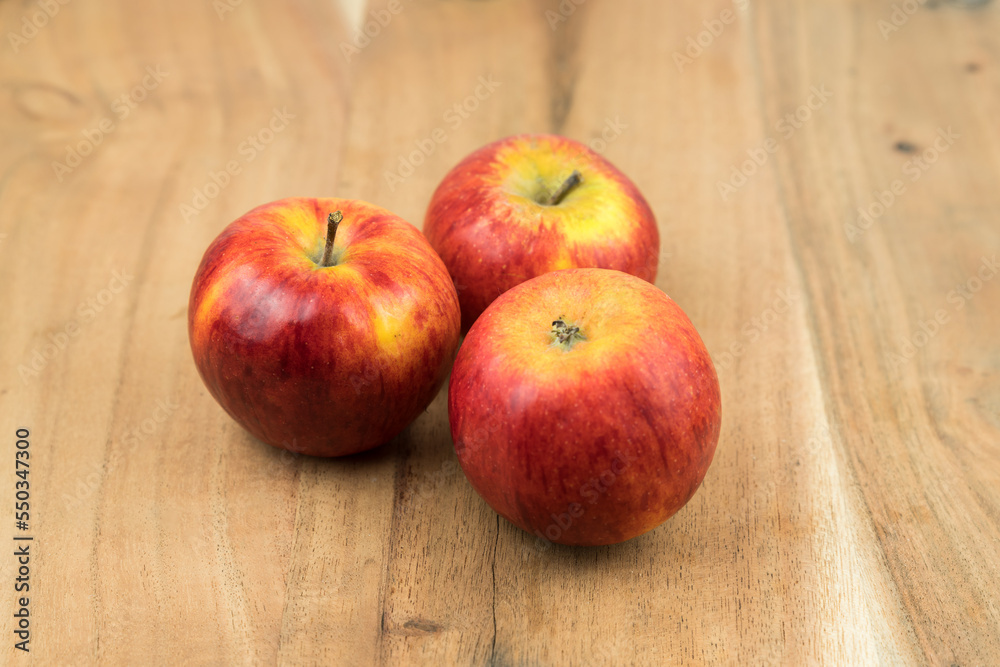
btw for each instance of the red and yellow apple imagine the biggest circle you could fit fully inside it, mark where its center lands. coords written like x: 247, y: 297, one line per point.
x: 323, y: 326
x: 530, y: 204
x: 584, y: 406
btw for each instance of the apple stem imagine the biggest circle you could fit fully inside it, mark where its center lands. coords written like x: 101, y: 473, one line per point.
x: 574, y: 179
x: 332, y: 222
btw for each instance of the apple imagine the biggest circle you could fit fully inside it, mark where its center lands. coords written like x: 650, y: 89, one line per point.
x: 584, y: 407
x: 323, y: 326
x: 530, y: 204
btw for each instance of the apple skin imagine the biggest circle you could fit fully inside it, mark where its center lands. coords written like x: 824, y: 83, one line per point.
x: 326, y: 361
x: 590, y: 445
x: 487, y: 224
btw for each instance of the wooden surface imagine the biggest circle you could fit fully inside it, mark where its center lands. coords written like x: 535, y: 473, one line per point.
x: 852, y: 514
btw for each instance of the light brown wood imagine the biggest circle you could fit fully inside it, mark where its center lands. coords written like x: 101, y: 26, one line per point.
x: 852, y: 514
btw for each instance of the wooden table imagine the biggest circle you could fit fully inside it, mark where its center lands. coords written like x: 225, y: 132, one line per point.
x: 852, y: 514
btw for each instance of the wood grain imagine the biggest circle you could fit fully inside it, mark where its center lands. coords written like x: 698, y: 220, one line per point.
x: 852, y: 514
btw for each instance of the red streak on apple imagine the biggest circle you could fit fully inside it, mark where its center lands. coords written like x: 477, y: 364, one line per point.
x: 322, y: 360
x: 584, y: 406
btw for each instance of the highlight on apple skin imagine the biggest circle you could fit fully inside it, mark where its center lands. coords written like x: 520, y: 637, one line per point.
x: 584, y: 407
x: 323, y: 349
x: 514, y: 210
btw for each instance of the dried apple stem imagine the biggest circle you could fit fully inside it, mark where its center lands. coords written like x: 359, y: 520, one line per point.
x: 574, y: 179
x: 332, y: 222
x: 566, y: 335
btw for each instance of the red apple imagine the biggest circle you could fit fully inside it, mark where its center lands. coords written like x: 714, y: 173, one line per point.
x: 584, y: 406
x: 530, y: 204
x: 321, y: 338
